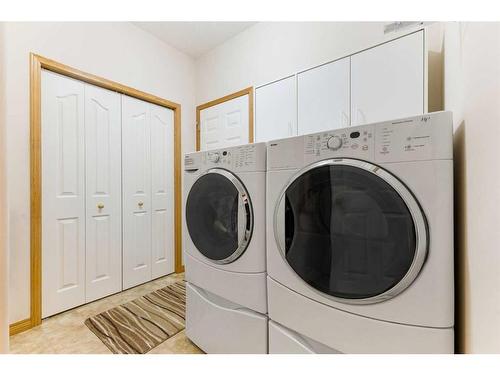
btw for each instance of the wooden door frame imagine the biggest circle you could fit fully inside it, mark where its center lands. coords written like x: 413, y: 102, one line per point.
x: 37, y: 63
x: 248, y: 91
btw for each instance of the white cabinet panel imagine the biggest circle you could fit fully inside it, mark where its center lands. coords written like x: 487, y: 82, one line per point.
x: 387, y: 81
x: 63, y: 200
x: 103, y: 192
x: 276, y: 110
x: 162, y: 146
x: 323, y: 97
x: 225, y: 124
x: 136, y: 146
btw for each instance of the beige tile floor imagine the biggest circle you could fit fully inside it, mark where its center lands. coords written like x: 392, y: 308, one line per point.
x: 67, y: 333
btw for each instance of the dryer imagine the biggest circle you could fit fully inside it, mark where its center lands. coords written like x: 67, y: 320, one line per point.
x: 360, y: 239
x: 224, y: 249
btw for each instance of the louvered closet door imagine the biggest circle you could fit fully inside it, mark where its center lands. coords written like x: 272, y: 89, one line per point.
x: 162, y: 146
x: 136, y: 167
x: 63, y: 194
x: 103, y: 192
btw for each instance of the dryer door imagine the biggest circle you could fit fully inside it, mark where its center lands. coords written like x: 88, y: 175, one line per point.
x: 351, y: 230
x: 219, y: 216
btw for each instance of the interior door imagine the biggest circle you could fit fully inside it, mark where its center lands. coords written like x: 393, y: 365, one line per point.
x: 387, y: 81
x: 352, y: 231
x: 225, y: 124
x: 103, y: 192
x: 63, y: 193
x: 136, y: 167
x: 162, y: 146
x: 324, y: 97
x: 276, y: 110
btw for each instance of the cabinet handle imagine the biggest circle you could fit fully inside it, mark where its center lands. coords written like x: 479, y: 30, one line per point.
x: 345, y: 119
x: 361, y: 119
x: 100, y: 206
x: 141, y: 204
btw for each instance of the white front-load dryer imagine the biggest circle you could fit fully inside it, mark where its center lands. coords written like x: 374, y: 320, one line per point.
x: 224, y: 249
x: 360, y: 239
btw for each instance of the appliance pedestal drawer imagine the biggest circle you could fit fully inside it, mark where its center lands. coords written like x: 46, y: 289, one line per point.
x: 217, y: 325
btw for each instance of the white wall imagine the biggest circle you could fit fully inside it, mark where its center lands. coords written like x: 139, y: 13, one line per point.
x: 271, y: 50
x: 117, y: 51
x: 4, y: 269
x: 472, y: 91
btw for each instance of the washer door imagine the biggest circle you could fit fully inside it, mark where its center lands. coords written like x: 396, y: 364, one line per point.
x: 351, y: 231
x: 219, y: 216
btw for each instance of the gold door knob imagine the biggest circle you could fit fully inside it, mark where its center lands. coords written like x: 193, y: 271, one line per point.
x: 141, y: 204
x: 100, y: 206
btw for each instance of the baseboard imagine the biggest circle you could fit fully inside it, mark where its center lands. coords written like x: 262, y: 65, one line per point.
x: 21, y: 326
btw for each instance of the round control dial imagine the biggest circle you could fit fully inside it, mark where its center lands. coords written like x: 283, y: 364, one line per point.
x: 214, y: 157
x: 334, y: 143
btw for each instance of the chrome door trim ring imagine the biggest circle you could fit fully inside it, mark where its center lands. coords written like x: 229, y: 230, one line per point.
x: 419, y: 220
x: 243, y: 195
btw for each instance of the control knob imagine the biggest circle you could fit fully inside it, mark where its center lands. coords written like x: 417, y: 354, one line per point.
x: 214, y: 157
x: 334, y: 143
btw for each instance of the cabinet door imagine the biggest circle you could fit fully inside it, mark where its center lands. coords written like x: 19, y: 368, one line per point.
x: 103, y: 192
x: 162, y: 158
x: 276, y: 110
x: 63, y: 194
x: 323, y: 97
x: 136, y: 146
x: 387, y: 81
x: 225, y: 124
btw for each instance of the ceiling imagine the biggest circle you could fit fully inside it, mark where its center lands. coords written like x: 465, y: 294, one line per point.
x: 194, y: 38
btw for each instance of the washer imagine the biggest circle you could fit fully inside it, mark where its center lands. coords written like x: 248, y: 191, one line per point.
x: 224, y: 243
x: 360, y: 239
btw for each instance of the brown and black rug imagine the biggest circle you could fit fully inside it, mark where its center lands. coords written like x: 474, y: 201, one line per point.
x: 138, y: 326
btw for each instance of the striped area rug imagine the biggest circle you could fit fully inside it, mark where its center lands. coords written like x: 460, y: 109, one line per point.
x: 138, y: 326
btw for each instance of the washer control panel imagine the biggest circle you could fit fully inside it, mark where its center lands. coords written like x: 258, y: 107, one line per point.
x: 246, y: 157
x: 347, y: 142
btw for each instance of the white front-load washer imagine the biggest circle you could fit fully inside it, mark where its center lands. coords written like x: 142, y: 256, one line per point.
x: 360, y: 239
x: 224, y: 249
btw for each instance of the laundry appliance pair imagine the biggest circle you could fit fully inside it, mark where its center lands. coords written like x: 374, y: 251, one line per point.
x: 341, y: 243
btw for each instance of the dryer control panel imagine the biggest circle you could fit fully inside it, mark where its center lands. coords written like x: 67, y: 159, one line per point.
x: 354, y: 142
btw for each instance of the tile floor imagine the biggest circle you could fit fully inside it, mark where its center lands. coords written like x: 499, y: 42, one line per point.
x: 66, y: 332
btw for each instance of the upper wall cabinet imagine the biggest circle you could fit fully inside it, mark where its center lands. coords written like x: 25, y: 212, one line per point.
x: 323, y: 97
x: 387, y: 81
x: 276, y: 110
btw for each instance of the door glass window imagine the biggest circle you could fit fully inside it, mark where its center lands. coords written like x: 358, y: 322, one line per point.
x: 348, y: 233
x: 212, y: 216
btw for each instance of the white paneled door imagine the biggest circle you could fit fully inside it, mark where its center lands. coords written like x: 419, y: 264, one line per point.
x: 103, y: 192
x: 63, y: 193
x: 387, y: 81
x: 162, y: 187
x: 323, y: 97
x: 136, y: 169
x: 276, y: 110
x: 225, y: 124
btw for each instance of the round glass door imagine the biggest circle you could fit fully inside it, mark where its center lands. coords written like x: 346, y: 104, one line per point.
x: 219, y: 216
x: 351, y: 230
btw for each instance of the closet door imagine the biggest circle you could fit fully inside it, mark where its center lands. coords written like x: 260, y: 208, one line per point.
x: 276, y: 110
x: 103, y: 192
x: 63, y: 194
x: 162, y: 162
x: 323, y: 97
x: 136, y: 159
